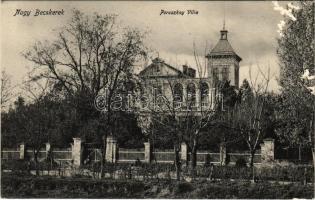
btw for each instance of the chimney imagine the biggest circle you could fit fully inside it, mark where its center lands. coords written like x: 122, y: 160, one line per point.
x: 191, y: 72
x: 188, y: 71
x: 185, y: 70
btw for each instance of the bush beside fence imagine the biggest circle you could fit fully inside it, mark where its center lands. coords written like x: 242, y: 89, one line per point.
x: 48, y: 187
x: 142, y: 171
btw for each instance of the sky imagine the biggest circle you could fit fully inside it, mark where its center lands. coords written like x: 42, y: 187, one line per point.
x: 252, y: 30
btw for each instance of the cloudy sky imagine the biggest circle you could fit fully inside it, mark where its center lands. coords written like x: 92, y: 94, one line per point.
x: 252, y: 30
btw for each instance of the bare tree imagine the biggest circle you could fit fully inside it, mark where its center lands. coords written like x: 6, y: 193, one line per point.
x: 248, y: 114
x: 90, y: 56
x: 6, y: 89
x: 163, y: 112
x: 176, y: 112
x: 35, y: 88
x: 202, y: 116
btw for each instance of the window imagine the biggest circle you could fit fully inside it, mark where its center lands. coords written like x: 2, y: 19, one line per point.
x: 215, y: 74
x: 204, y: 92
x: 178, y: 95
x: 191, y: 95
x: 236, y: 75
x: 225, y: 74
x: 157, y: 90
x: 158, y: 95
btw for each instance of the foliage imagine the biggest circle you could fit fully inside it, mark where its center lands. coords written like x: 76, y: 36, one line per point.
x: 296, y: 47
x: 6, y: 89
x: 247, y: 119
x: 24, y: 166
x: 246, y: 190
x: 75, y: 188
x: 15, y: 165
x: 296, y: 52
x: 35, y: 123
x: 241, y: 162
x: 183, y: 187
x: 221, y: 129
x: 91, y: 56
x: 46, y: 187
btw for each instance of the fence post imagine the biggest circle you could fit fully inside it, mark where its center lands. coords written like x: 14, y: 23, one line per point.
x: 184, y: 153
x: 111, y: 149
x: 147, y: 152
x: 77, y: 150
x: 48, y: 147
x: 267, y: 151
x: 22, y: 151
x: 222, y: 153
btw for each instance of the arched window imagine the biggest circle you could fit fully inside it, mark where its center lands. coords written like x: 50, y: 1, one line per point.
x: 178, y: 92
x: 204, y: 93
x: 215, y: 75
x: 225, y: 73
x: 178, y: 95
x: 191, y: 94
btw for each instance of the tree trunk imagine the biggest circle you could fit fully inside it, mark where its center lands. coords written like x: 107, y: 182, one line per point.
x: 35, y: 152
x: 252, y: 155
x: 193, y: 163
x: 313, y: 153
x: 300, y: 156
x: 103, y: 152
x: 194, y: 149
x: 251, y: 163
x: 177, y: 163
x: 102, y: 172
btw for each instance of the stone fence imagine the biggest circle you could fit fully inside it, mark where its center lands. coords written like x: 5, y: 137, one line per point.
x: 78, y: 154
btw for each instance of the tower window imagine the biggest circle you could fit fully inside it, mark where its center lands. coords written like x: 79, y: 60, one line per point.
x: 225, y: 74
x: 215, y: 74
x: 224, y: 34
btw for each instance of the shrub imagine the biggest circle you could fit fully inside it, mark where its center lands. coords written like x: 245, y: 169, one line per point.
x: 207, y: 160
x: 227, y: 159
x: 16, y: 186
x: 241, y: 162
x: 49, y: 187
x: 15, y: 165
x: 183, y: 187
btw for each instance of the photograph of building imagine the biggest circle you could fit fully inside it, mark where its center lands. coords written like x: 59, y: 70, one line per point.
x: 157, y: 99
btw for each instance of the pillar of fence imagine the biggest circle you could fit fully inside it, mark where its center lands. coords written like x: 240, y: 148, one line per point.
x: 184, y: 153
x: 222, y: 153
x: 77, y: 149
x: 22, y: 150
x: 111, y: 149
x: 267, y: 151
x: 48, y: 148
x: 147, y: 152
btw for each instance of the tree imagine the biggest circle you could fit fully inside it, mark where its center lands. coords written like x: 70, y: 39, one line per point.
x: 296, y: 53
x: 221, y: 126
x: 199, y: 116
x: 6, y: 89
x: 90, y: 56
x: 10, y: 134
x: 296, y: 46
x: 198, y: 120
x: 249, y: 114
x: 162, y: 114
x: 36, y: 123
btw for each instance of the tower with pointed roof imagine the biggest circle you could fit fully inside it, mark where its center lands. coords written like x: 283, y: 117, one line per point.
x: 223, y: 62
